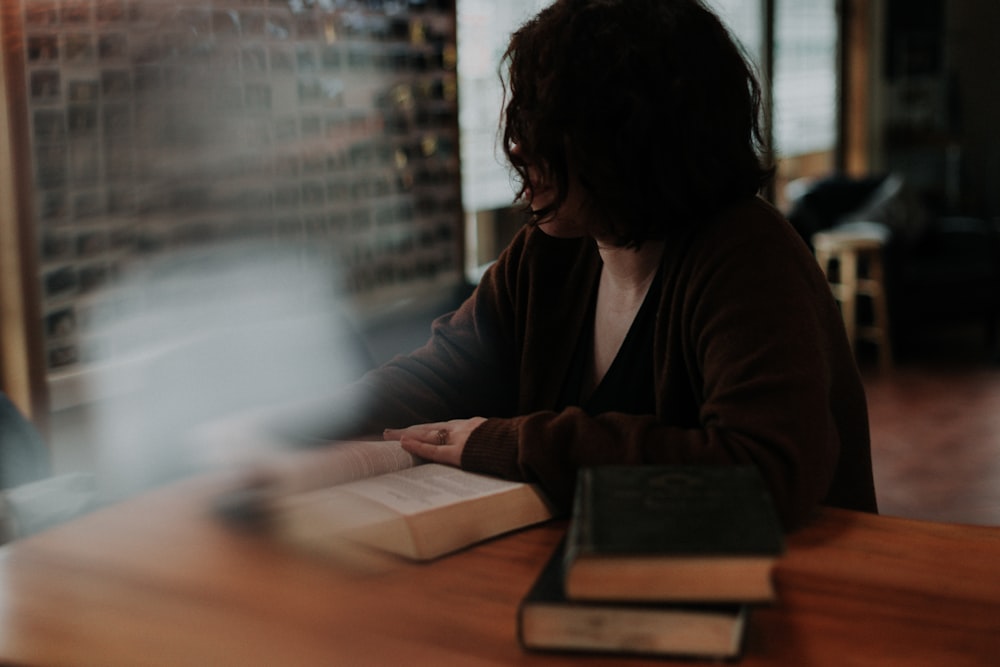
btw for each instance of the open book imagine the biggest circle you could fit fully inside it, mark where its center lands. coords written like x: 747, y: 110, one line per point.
x: 373, y: 494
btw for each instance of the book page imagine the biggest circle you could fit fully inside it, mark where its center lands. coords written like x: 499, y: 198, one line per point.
x: 334, y: 463
x: 430, y: 485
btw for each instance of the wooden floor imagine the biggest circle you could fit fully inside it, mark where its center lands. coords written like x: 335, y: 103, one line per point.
x: 935, y: 428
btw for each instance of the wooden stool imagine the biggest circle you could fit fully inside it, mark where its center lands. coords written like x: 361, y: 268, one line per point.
x: 848, y: 246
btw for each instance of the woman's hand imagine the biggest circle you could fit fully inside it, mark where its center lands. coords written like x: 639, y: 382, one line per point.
x: 441, y: 442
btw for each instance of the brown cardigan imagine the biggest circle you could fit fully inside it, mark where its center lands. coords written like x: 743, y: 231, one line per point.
x: 751, y: 366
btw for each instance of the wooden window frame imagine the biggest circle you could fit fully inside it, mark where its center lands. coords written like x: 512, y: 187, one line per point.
x: 22, y: 356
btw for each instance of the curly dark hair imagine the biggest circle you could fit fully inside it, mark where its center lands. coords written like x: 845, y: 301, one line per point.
x: 652, y: 102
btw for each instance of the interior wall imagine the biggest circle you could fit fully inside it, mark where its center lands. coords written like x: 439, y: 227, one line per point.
x: 936, y: 124
x: 974, y: 56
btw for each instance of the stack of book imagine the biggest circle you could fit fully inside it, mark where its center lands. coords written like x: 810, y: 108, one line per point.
x: 664, y: 560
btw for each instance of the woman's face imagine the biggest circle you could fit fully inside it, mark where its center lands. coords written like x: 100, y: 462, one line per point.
x: 570, y: 219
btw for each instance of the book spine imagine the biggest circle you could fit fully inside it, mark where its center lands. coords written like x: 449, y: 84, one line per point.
x: 579, y: 533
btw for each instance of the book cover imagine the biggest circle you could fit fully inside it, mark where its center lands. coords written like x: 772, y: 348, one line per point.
x: 549, y: 621
x: 672, y: 533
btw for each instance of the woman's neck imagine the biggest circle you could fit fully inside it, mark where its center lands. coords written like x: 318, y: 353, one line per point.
x: 625, y: 278
x: 629, y: 271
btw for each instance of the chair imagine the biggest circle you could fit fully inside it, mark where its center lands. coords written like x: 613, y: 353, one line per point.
x: 939, y: 269
x: 24, y: 456
x: 855, y: 250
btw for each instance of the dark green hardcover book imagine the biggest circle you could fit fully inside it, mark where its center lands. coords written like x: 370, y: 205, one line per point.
x: 692, y: 533
x: 548, y: 621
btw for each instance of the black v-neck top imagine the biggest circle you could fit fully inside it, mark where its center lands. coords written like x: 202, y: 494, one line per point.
x: 628, y: 384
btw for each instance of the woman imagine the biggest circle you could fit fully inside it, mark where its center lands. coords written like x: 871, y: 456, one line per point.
x: 654, y: 310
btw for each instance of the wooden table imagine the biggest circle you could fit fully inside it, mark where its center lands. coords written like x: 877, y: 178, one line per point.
x: 157, y: 580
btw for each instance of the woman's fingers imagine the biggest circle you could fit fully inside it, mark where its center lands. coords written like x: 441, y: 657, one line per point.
x: 442, y: 442
x: 432, y: 434
x: 447, y: 454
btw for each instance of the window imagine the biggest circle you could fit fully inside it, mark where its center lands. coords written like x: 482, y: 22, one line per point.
x: 804, y: 79
x: 484, y: 27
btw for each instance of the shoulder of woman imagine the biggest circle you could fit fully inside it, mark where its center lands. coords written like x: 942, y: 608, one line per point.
x: 749, y: 221
x: 751, y: 213
x: 750, y: 235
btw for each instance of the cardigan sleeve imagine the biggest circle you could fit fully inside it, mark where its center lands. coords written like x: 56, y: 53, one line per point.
x: 465, y: 369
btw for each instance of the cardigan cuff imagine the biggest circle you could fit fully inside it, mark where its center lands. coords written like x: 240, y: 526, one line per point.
x: 492, y: 449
